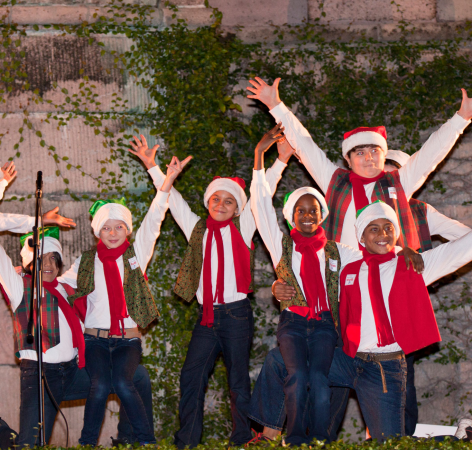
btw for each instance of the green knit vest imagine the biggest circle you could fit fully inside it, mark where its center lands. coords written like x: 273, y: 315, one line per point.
x: 285, y: 272
x: 141, y: 305
x: 188, y: 280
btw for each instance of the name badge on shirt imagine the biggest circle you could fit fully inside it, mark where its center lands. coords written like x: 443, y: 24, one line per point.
x: 133, y: 262
x: 333, y: 265
x: 350, y: 279
x: 392, y: 192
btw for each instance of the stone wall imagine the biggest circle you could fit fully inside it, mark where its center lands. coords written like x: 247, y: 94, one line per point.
x: 51, y: 56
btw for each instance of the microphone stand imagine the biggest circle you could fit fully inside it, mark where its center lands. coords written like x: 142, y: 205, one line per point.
x: 34, y: 334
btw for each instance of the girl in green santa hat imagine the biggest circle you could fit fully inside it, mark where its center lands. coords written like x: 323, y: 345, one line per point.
x: 113, y: 292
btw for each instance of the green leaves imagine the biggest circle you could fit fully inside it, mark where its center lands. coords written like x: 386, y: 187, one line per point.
x: 193, y: 78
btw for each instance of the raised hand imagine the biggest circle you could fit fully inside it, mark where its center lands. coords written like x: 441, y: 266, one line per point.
x: 269, y: 95
x: 9, y: 171
x: 174, y: 168
x: 143, y: 152
x: 285, y: 150
x: 466, y: 106
x: 272, y: 136
x: 53, y: 218
x: 282, y: 291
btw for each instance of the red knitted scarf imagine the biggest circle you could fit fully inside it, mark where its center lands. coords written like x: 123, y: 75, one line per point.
x: 382, y: 324
x: 73, y: 321
x: 242, y: 266
x: 310, y: 273
x: 116, y: 295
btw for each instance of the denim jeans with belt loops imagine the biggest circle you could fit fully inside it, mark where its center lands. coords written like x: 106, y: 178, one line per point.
x: 232, y: 334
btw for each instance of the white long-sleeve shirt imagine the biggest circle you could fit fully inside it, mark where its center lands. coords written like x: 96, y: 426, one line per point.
x: 412, y: 175
x: 98, y: 308
x: 13, y: 285
x: 438, y: 262
x: 3, y: 185
x: 444, y: 226
x: 16, y: 223
x: 266, y: 220
x: 187, y: 220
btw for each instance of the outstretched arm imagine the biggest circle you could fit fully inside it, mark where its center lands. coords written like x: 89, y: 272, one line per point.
x: 444, y: 226
x: 314, y: 159
x: 446, y: 258
x: 18, y: 223
x: 414, y: 173
x: 10, y: 280
x: 8, y: 172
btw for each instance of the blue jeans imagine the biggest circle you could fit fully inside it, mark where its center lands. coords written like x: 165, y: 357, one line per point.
x: 340, y: 398
x: 112, y: 363
x: 231, y: 334
x: 307, y: 347
x: 384, y: 412
x: 268, y: 400
x: 67, y: 383
x: 411, y: 405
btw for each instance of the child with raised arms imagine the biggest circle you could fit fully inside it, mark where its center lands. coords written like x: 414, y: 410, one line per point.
x: 119, y: 303
x: 218, y: 270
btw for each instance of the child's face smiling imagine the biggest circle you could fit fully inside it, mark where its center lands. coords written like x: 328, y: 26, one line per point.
x: 114, y: 233
x: 222, y: 206
x: 379, y: 237
x: 307, y: 215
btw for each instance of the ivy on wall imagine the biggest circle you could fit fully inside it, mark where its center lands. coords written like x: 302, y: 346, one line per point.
x: 193, y: 81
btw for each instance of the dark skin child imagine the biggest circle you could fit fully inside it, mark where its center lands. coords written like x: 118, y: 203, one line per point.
x: 379, y: 238
x: 307, y: 215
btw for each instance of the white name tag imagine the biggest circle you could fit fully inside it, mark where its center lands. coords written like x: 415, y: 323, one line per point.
x: 133, y: 262
x: 392, y: 192
x: 333, y: 265
x: 350, y: 279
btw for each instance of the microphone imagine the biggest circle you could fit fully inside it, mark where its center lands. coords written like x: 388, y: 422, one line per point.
x: 39, y: 181
x: 39, y: 185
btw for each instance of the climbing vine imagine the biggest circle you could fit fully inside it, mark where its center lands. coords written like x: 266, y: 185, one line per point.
x: 190, y: 83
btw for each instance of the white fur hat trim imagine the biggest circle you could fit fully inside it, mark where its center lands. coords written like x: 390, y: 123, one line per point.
x: 112, y: 211
x: 295, y: 196
x: 50, y: 245
x: 376, y: 210
x: 364, y: 138
x: 228, y: 185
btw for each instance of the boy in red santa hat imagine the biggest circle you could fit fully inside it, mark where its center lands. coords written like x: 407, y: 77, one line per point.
x: 218, y: 269
x: 385, y: 312
x: 364, y: 149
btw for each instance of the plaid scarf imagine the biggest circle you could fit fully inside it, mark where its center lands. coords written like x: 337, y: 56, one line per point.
x: 420, y: 216
x: 388, y: 189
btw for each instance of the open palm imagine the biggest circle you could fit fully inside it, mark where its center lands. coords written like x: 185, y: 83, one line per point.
x: 143, y: 152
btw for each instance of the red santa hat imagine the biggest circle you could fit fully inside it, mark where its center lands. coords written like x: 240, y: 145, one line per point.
x: 365, y: 136
x: 235, y: 186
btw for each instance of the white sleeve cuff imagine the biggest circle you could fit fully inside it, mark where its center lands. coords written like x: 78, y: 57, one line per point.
x: 156, y: 174
x: 162, y: 198
x: 458, y: 122
x: 258, y: 176
x: 278, y: 166
x: 3, y: 183
x: 279, y: 111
